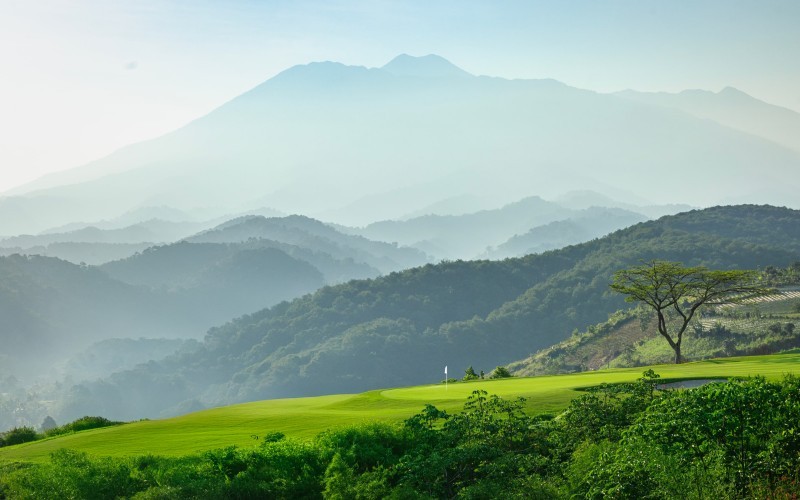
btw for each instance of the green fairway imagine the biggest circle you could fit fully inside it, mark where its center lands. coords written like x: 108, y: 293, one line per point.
x: 306, y: 417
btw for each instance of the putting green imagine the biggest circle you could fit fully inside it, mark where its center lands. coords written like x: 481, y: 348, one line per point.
x: 306, y: 417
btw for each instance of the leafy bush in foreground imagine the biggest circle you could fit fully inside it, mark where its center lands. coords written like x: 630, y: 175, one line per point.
x: 734, y: 440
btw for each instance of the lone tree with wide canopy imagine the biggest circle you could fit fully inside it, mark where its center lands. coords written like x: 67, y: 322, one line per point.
x: 669, y: 286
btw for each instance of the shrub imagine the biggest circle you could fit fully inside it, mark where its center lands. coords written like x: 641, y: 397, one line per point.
x: 19, y: 435
x: 82, y: 424
x: 500, y: 372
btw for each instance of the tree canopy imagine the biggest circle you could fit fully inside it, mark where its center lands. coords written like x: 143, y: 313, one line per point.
x: 670, y: 287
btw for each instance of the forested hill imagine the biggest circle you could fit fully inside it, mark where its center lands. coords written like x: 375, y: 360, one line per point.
x: 405, y: 327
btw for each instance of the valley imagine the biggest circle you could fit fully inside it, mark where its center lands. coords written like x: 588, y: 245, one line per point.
x: 399, y: 250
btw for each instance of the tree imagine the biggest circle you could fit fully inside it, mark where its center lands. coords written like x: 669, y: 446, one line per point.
x: 500, y: 372
x: 669, y: 287
x: 469, y: 374
x: 48, y: 424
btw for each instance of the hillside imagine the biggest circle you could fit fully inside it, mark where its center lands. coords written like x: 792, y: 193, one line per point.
x: 403, y: 328
x: 629, y: 338
x: 526, y: 226
x: 733, y: 108
x: 583, y: 225
x: 307, y: 417
x: 90, y: 244
x: 467, y: 236
x: 311, y: 234
x: 52, y: 308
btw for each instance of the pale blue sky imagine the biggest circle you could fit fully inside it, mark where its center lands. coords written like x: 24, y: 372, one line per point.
x: 82, y: 78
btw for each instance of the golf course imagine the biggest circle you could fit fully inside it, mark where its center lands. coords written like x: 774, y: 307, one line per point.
x: 243, y: 425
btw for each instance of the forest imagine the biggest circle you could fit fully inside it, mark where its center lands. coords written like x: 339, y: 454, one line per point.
x: 400, y: 328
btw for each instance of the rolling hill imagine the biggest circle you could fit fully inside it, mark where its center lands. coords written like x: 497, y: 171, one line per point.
x: 307, y: 417
x: 402, y: 328
x: 582, y: 226
x: 304, y: 232
x: 52, y: 309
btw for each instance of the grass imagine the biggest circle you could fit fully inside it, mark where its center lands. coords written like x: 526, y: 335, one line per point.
x: 306, y: 417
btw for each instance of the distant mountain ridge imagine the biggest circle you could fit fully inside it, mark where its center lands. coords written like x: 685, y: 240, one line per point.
x: 318, y: 137
x: 304, y: 231
x: 467, y: 236
x: 583, y: 226
x: 177, y: 290
x: 733, y: 108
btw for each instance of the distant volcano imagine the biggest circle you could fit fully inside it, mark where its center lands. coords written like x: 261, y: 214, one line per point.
x: 322, y: 137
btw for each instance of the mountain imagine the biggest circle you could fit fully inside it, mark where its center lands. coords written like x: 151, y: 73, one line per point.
x: 430, y: 66
x: 93, y: 245
x: 583, y: 199
x: 80, y: 252
x: 526, y: 226
x: 305, y: 232
x: 733, y: 108
x: 51, y: 309
x: 404, y: 327
x: 154, y: 231
x: 316, y: 138
x: 583, y: 226
x: 455, y: 205
x: 467, y: 236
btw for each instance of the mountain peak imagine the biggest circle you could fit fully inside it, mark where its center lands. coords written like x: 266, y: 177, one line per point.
x: 430, y: 66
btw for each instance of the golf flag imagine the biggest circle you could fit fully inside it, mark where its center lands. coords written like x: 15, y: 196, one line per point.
x: 445, y: 370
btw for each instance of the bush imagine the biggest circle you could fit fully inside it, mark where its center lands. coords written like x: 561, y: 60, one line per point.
x: 469, y: 374
x: 82, y: 424
x: 19, y: 435
x: 500, y: 372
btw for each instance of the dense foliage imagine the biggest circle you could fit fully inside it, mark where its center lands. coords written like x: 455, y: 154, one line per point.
x: 738, y: 439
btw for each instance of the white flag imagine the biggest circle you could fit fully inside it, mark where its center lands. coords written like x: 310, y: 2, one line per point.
x: 445, y: 369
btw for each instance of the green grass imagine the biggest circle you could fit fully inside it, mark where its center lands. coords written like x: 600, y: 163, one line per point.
x: 306, y: 417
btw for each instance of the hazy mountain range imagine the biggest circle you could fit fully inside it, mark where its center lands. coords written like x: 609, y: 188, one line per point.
x: 356, y: 145
x: 395, y: 177
x: 403, y: 328
x: 474, y: 235
x: 51, y: 309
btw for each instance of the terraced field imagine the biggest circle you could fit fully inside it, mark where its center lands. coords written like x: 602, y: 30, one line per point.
x: 305, y: 417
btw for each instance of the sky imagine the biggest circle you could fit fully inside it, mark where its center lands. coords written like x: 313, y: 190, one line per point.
x: 82, y: 78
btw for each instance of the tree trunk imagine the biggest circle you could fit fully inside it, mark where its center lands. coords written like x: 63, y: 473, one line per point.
x: 678, y: 358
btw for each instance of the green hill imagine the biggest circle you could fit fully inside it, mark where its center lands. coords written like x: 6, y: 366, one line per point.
x: 629, y: 338
x: 401, y: 329
x: 307, y: 417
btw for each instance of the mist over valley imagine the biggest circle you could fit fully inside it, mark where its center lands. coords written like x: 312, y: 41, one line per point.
x: 398, y: 176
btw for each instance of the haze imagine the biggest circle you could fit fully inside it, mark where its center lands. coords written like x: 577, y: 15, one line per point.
x: 82, y: 80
